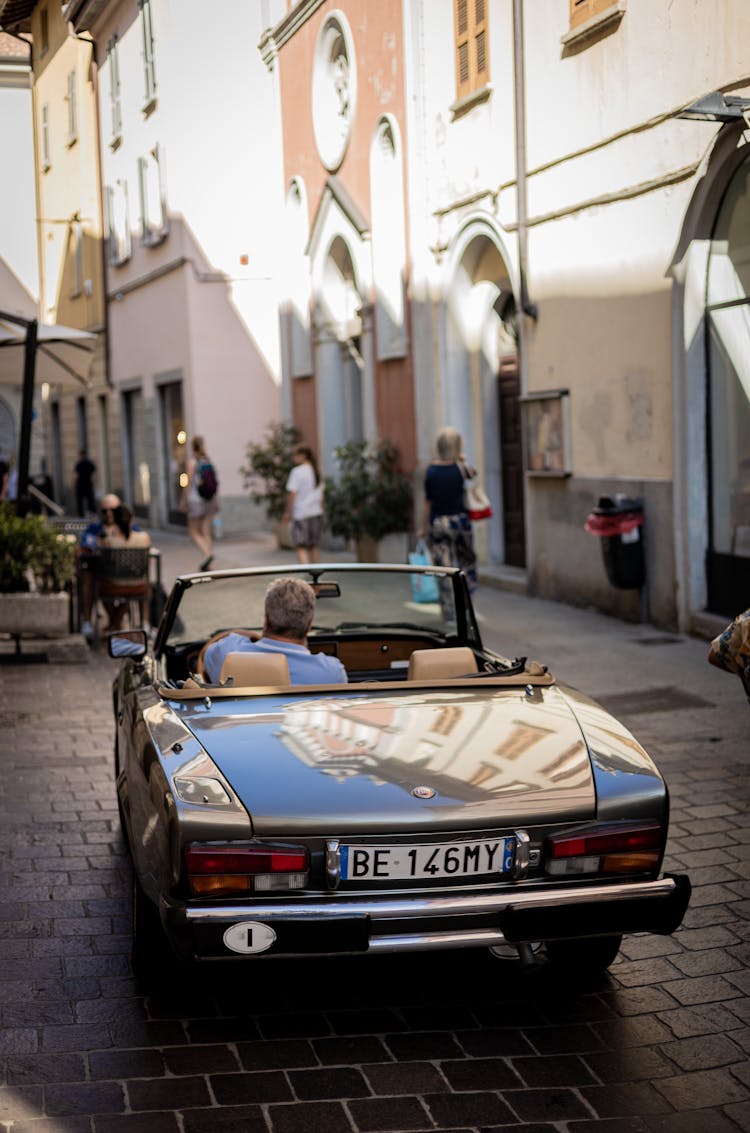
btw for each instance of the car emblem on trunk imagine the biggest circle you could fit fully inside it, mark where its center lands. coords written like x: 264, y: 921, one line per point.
x: 423, y: 792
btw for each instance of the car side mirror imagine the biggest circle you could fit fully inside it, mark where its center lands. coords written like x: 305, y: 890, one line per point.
x: 127, y: 643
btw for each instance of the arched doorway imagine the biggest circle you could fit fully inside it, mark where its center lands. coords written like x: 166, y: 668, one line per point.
x: 481, y: 393
x: 339, y: 362
x: 728, y: 399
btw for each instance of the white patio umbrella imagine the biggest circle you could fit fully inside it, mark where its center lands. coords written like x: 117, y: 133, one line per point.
x: 30, y: 350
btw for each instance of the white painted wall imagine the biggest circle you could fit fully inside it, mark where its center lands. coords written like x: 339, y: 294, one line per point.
x: 214, y: 319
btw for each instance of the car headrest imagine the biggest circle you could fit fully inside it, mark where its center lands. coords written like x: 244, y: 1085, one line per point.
x: 429, y: 664
x: 249, y: 669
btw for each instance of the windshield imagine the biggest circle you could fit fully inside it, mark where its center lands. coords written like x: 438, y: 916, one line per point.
x: 358, y: 600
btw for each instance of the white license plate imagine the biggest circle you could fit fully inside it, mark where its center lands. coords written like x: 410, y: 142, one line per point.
x: 447, y: 859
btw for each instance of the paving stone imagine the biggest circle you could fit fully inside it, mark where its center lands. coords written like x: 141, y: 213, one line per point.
x: 133, y: 1123
x: 239, y: 1089
x: 349, y: 1050
x: 303, y: 1025
x: 20, y: 1103
x: 704, y: 989
x: 426, y: 1044
x: 611, y: 1125
x: 472, y: 1109
x: 701, y: 1019
x: 167, y: 1093
x: 84, y: 1097
x: 480, y: 1074
x: 323, y: 1083
x: 308, y: 1117
x: 125, y: 1064
x: 278, y: 1054
x: 200, y: 1060
x: 403, y: 1078
x: 702, y: 1089
x: 224, y: 1119
x: 491, y: 1041
x: 631, y: 1064
x: 701, y: 1121
x: 373, y: 1115
x: 40, y: 1068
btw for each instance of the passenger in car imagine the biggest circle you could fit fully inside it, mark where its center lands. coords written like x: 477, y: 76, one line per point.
x: 289, y: 612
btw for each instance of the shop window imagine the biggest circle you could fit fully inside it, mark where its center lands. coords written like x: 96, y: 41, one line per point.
x: 472, y: 46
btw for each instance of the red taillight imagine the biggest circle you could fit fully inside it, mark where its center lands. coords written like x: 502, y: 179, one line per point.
x: 215, y: 871
x: 613, y: 849
x: 605, y: 841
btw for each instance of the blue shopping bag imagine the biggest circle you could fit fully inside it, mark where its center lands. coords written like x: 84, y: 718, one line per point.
x: 424, y: 587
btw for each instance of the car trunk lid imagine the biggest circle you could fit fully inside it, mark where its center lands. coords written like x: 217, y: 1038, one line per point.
x: 349, y: 763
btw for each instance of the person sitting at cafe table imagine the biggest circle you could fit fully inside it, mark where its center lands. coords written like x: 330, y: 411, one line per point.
x: 289, y: 612
x: 124, y: 533
x: 94, y: 537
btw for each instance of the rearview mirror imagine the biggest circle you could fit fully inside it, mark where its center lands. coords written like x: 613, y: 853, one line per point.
x: 326, y: 589
x: 127, y: 643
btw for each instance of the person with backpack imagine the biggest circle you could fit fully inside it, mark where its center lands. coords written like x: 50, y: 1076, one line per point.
x: 200, y: 500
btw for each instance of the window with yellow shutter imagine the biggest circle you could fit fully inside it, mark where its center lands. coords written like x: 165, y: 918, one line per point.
x: 472, y: 46
x: 600, y: 12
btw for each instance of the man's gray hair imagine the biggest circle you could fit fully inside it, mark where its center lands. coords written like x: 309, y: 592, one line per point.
x: 290, y: 604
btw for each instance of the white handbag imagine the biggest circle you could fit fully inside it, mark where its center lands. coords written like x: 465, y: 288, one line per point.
x: 476, y: 500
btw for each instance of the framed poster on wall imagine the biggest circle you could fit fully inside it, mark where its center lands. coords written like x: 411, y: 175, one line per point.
x: 546, y: 428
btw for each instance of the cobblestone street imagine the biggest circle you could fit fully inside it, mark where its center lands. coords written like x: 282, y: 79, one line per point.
x: 459, y: 1041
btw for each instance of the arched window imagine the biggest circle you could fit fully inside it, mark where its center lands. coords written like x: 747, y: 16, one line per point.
x: 298, y: 280
x: 388, y: 239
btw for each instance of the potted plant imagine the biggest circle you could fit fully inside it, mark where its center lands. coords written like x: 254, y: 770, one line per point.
x: 37, y: 565
x: 269, y: 463
x: 370, y: 498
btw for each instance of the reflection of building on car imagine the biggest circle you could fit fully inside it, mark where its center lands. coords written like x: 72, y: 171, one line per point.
x: 445, y: 797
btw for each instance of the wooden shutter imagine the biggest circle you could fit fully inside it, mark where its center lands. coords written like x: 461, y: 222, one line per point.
x: 472, y: 46
x: 582, y: 10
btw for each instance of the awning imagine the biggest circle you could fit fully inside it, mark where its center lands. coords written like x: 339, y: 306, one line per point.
x: 63, y: 354
x: 31, y: 351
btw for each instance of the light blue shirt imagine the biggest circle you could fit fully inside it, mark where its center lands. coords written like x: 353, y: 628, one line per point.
x: 305, y: 668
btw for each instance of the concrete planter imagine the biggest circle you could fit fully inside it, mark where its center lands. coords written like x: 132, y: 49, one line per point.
x: 390, y: 549
x: 42, y: 615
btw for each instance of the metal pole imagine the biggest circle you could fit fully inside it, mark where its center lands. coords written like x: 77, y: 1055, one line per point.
x: 27, y: 410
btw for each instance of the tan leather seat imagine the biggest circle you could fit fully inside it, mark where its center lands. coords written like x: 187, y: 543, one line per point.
x: 252, y: 669
x: 433, y: 664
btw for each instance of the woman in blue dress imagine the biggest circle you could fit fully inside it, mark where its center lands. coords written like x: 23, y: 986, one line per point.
x: 446, y: 522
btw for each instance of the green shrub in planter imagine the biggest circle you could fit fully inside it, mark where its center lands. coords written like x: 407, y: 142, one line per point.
x: 372, y: 496
x: 269, y: 463
x: 33, y: 555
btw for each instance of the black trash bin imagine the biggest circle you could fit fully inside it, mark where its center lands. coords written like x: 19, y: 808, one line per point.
x: 618, y: 522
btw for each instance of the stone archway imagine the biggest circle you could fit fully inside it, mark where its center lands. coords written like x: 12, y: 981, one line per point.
x: 480, y: 395
x: 701, y: 480
x: 340, y: 366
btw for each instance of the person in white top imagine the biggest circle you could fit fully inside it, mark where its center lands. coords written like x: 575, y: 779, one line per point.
x: 304, y: 505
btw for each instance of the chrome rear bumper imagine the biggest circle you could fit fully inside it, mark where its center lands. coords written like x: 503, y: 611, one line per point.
x: 367, y: 924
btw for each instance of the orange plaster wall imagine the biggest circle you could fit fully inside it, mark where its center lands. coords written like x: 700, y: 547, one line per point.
x: 377, y: 32
x: 378, y: 42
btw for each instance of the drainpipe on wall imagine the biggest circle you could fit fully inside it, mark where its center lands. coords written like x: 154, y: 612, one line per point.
x: 519, y: 84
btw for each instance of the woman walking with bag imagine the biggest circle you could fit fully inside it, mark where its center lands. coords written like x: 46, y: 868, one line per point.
x: 200, y: 501
x: 305, y: 505
x: 446, y: 522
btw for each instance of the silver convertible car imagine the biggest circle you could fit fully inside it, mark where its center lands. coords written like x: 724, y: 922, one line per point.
x: 445, y: 797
